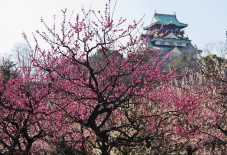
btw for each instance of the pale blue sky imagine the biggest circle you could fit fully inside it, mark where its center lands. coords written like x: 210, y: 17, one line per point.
x: 207, y: 19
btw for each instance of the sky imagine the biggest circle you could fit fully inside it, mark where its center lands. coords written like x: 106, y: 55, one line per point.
x: 206, y: 19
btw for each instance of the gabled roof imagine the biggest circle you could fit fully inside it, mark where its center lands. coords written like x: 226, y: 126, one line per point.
x: 165, y: 19
x: 175, y: 49
x: 171, y: 35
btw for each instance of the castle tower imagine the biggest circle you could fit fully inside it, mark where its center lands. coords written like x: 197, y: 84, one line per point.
x: 165, y: 33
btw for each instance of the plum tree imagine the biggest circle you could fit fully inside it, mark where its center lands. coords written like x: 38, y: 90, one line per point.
x: 114, y: 102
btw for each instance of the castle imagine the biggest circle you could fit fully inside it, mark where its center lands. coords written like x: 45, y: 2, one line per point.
x: 165, y: 33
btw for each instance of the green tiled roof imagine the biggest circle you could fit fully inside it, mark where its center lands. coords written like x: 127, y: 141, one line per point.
x: 168, y: 19
x: 167, y: 48
x: 165, y: 19
x: 177, y: 40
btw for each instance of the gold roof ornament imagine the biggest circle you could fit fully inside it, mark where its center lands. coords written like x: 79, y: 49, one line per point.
x: 154, y: 11
x: 174, y: 13
x: 141, y: 35
x: 180, y: 36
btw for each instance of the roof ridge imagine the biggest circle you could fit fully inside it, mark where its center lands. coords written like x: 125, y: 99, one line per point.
x: 164, y: 14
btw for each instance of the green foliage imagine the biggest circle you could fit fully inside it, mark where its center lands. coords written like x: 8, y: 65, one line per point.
x: 103, y: 54
x: 6, y: 69
x: 185, y: 60
x: 209, y: 59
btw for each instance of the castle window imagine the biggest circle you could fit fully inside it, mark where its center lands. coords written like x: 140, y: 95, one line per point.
x: 179, y: 44
x: 171, y: 43
x: 162, y: 43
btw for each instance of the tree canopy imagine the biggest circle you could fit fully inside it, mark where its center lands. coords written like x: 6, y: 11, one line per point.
x: 90, y: 94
